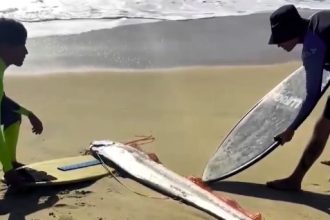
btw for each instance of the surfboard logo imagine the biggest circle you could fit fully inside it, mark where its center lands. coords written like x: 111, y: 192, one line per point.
x: 290, y: 101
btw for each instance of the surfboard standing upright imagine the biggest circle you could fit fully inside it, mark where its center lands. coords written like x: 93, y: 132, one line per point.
x: 253, y: 136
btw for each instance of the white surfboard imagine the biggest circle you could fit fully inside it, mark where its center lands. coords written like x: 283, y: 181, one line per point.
x: 253, y: 136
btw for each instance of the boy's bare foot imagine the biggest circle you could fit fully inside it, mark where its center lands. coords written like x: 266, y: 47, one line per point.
x: 287, y: 184
x: 12, y: 178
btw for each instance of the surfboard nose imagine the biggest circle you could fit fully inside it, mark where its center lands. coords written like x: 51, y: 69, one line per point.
x: 210, y: 172
x: 207, y: 176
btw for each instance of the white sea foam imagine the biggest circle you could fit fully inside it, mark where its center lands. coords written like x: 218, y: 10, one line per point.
x: 49, y: 17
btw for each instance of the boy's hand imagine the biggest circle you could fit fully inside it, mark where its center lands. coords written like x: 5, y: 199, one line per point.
x: 36, y: 123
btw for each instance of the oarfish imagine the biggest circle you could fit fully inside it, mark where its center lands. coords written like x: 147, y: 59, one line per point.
x: 139, y: 165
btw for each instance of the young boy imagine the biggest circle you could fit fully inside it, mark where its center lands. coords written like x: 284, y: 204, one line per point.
x: 12, y: 52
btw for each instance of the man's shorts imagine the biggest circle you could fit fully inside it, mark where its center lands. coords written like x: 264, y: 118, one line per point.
x: 8, y: 112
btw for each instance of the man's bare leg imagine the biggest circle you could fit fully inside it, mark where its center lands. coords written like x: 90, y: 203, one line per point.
x: 313, y: 150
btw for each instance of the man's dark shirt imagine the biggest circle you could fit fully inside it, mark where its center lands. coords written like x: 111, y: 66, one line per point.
x: 316, y: 57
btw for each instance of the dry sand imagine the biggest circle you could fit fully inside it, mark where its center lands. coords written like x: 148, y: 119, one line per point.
x: 188, y: 111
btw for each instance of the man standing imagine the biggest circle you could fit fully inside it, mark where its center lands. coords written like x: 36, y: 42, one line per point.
x: 289, y: 29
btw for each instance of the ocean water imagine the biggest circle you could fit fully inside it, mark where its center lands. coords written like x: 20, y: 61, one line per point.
x: 223, y: 40
x: 57, y: 17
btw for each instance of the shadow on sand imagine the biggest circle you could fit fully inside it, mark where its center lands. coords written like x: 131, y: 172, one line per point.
x: 20, y: 204
x: 315, y: 200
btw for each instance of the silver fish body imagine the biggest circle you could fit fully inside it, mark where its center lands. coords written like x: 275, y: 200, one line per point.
x: 139, y: 165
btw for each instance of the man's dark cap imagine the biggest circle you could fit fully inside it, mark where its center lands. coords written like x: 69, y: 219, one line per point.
x: 286, y: 24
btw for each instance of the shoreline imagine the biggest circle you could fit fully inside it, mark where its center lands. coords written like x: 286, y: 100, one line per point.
x: 168, y: 70
x: 229, y: 41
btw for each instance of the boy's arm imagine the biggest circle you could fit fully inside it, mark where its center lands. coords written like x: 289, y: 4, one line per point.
x: 23, y: 111
x: 36, y: 123
x: 20, y: 109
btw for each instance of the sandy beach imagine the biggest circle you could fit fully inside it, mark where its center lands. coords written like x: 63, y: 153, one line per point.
x: 188, y: 111
x: 210, y: 79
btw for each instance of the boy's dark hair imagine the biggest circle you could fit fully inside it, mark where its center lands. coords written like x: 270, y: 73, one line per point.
x: 12, y: 32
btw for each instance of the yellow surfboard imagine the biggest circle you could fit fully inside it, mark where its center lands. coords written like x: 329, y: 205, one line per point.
x: 63, y: 171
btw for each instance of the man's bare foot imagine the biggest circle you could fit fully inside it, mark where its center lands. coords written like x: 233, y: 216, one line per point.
x: 287, y: 184
x: 326, y: 162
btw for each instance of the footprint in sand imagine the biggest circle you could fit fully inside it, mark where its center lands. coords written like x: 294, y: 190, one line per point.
x: 75, y: 194
x: 80, y: 204
x: 65, y: 217
x: 62, y: 205
x: 79, y: 194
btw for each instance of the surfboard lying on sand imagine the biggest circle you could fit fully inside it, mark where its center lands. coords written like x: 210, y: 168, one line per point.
x: 62, y: 171
x: 253, y: 136
x: 139, y: 165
